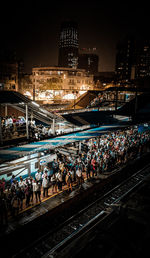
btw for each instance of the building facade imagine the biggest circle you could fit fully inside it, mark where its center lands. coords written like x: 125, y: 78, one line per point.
x: 8, y: 71
x: 68, y: 45
x: 133, y: 60
x: 88, y: 60
x: 142, y: 59
x: 56, y: 83
x: 26, y: 85
x: 124, y: 60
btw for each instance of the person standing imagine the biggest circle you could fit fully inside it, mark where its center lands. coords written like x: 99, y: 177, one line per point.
x: 64, y: 173
x: 79, y: 177
x: 45, y: 184
x: 21, y: 182
x: 2, y: 184
x: 35, y: 186
x: 69, y: 181
x: 31, y: 189
x: 15, y: 205
x: 55, y: 166
x: 38, y: 191
x: 93, y: 162
x: 38, y: 177
x: 54, y: 183
x: 27, y: 191
x: 21, y: 196
x: 12, y: 179
x: 59, y: 180
x: 88, y: 170
x: 3, y: 209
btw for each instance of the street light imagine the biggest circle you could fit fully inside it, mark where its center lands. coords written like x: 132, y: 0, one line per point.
x: 74, y: 92
x: 34, y: 91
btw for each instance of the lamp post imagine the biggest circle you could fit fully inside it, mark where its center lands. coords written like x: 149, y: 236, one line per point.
x: 136, y: 99
x: 34, y: 91
x: 6, y: 110
x: 116, y: 100
x: 74, y: 92
x: 74, y: 102
x: 53, y: 126
x: 27, y: 128
x: 1, y: 138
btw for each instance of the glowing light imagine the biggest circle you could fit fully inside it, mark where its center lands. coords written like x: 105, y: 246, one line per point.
x: 69, y: 96
x: 42, y: 95
x: 84, y: 87
x: 82, y: 92
x: 28, y: 93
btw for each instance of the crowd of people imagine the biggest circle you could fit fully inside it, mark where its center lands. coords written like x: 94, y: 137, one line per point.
x: 99, y: 155
x: 98, y: 100
x: 12, y: 127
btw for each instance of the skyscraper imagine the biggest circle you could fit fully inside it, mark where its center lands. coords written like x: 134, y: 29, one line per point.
x: 68, y: 45
x: 133, y: 60
x: 88, y: 60
x: 142, y: 54
x: 124, y: 60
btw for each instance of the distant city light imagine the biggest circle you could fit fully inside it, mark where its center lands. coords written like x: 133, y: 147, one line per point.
x: 28, y: 94
x: 82, y: 92
x: 69, y: 96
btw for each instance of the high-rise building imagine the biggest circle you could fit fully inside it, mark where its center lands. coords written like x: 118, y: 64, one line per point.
x: 142, y: 55
x: 133, y: 60
x: 68, y: 45
x: 88, y: 60
x: 124, y: 60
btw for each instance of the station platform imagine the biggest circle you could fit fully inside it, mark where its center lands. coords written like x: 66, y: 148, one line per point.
x: 32, y: 223
x: 13, y: 153
x: 60, y: 200
x: 49, y: 205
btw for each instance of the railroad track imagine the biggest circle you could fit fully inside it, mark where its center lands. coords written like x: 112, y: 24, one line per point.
x: 52, y: 244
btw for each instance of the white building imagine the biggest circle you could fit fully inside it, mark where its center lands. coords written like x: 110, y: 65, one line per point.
x: 56, y: 83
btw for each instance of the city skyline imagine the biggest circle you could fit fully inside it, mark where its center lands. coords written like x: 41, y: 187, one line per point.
x: 33, y: 30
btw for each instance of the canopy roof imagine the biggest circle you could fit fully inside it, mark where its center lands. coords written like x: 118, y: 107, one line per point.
x: 138, y: 107
x: 12, y: 97
x: 19, y: 101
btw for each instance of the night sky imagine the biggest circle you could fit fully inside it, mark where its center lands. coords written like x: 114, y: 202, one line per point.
x: 32, y: 28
